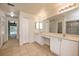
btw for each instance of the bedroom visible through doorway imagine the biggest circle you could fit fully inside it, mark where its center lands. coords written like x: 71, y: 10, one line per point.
x: 12, y: 30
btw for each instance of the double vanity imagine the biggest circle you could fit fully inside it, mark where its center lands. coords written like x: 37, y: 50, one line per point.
x: 61, y: 44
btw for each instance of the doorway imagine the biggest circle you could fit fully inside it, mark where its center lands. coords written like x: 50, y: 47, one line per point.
x: 12, y: 30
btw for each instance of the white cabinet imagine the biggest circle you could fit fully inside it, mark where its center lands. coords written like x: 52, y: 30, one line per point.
x: 55, y: 45
x: 39, y: 39
x: 64, y: 47
x: 69, y: 48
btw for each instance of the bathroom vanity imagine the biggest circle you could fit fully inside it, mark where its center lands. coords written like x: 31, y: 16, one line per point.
x: 62, y: 33
x: 67, y: 45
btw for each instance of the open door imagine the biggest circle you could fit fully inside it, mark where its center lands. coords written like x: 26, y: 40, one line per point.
x: 12, y: 30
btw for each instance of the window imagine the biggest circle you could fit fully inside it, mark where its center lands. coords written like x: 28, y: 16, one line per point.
x: 13, y: 30
x: 39, y: 25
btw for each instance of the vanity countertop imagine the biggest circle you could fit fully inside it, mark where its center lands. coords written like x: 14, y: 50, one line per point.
x: 72, y: 37
x: 59, y: 35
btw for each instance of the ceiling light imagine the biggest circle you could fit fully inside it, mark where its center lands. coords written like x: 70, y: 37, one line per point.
x: 11, y: 14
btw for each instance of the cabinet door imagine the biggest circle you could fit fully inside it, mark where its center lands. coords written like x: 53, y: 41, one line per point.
x: 55, y: 44
x: 69, y: 48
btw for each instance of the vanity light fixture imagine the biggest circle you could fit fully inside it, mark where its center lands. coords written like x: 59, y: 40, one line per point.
x: 67, y: 7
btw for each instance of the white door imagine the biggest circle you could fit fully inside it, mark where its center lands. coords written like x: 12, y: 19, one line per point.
x: 0, y: 34
x: 24, y: 31
x: 55, y: 45
x: 69, y: 48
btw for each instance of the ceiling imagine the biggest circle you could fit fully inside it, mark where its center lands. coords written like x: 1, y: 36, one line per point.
x: 31, y: 8
x: 34, y: 8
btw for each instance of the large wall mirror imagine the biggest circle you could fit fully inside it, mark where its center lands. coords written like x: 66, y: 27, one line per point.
x: 53, y: 26
x: 72, y: 27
